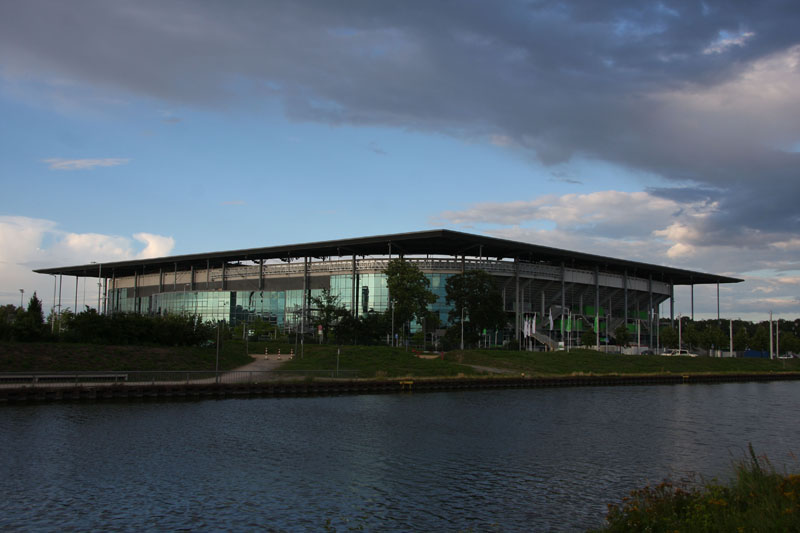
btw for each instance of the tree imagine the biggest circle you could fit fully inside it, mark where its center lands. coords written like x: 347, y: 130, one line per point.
x: 588, y: 338
x: 668, y: 336
x: 741, y: 340
x: 329, y: 312
x: 760, y: 340
x: 408, y: 289
x: 475, y: 294
x: 29, y: 323
x: 622, y: 335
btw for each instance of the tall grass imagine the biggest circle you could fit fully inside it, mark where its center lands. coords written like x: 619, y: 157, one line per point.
x: 757, y: 499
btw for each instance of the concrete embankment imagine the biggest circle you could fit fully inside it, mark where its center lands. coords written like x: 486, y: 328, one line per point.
x: 290, y: 388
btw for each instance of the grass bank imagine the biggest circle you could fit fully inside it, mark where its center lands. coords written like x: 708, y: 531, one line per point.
x: 592, y: 362
x: 757, y: 499
x: 369, y: 361
x: 375, y: 362
x: 69, y: 357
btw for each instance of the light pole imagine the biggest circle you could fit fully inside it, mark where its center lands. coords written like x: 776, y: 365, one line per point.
x: 392, y: 302
x: 462, y: 327
x: 730, y: 335
x: 21, y: 297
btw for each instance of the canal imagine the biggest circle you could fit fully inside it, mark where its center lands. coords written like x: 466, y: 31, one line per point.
x: 524, y: 460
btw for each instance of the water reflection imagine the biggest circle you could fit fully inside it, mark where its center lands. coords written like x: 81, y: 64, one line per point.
x: 543, y: 459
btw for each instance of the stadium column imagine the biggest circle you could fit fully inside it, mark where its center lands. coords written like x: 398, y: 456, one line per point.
x: 175, y: 278
x: 60, y: 283
x: 261, y: 274
x: 160, y: 280
x: 543, y: 304
x: 191, y: 280
x: 76, y: 295
x: 671, y: 304
x: 691, y: 295
x: 626, y: 297
x: 305, y: 297
x: 224, y: 265
x: 718, y: 301
x: 597, y: 306
x: 517, y: 331
x: 563, y: 297
x: 353, y: 307
x: 650, y: 309
x: 53, y: 308
x: 208, y: 274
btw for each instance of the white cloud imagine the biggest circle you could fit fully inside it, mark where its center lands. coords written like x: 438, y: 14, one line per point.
x: 30, y: 243
x: 725, y: 41
x: 83, y: 164
x: 641, y: 226
x: 156, y: 245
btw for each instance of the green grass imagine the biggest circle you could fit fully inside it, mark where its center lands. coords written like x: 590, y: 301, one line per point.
x: 757, y: 499
x: 592, y: 362
x: 374, y: 361
x: 69, y: 357
x: 369, y: 361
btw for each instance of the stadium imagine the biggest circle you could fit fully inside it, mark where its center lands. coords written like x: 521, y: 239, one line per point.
x: 562, y: 292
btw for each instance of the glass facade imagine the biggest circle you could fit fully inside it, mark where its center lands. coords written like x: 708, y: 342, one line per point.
x: 282, y: 308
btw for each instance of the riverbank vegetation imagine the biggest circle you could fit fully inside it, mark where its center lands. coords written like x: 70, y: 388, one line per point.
x: 757, y: 499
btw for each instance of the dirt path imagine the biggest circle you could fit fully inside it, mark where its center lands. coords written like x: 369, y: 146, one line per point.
x: 491, y: 370
x: 260, y: 364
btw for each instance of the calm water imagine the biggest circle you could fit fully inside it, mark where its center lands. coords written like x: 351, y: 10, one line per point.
x: 544, y: 459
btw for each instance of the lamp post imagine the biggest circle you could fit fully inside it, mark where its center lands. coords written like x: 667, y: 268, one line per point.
x: 21, y: 297
x: 462, y: 327
x: 730, y: 335
x: 392, y: 302
x: 99, y: 284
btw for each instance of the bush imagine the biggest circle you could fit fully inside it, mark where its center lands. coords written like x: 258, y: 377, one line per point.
x: 758, y: 499
x: 132, y: 328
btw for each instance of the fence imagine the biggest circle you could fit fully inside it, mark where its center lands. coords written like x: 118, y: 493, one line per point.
x: 91, y: 379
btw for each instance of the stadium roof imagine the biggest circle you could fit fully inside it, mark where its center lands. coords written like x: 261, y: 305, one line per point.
x: 433, y: 242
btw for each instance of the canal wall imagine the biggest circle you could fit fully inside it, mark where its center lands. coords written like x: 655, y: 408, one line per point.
x: 317, y: 387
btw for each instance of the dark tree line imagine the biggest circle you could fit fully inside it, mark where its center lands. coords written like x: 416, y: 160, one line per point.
x: 28, y: 325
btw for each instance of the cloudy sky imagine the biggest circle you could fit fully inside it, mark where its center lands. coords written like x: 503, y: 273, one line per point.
x: 662, y: 132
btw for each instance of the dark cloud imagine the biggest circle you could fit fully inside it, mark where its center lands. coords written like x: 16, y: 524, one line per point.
x: 702, y: 94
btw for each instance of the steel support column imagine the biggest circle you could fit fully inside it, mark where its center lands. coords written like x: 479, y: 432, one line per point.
x: 626, y: 298
x: 563, y: 298
x: 672, y: 305
x: 353, y: 309
x: 597, y: 306
x: 650, y: 309
x: 516, y: 304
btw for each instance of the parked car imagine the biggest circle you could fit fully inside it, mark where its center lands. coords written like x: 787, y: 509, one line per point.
x: 680, y: 353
